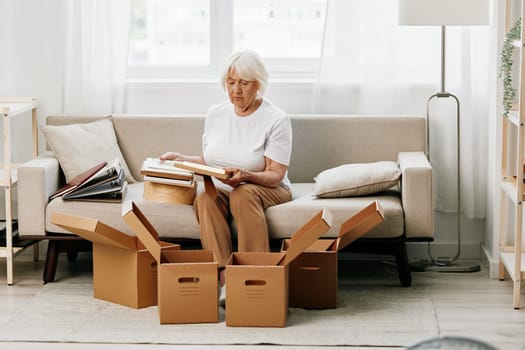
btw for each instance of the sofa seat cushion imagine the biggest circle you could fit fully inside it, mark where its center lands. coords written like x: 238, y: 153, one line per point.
x: 285, y: 219
x: 163, y: 216
x: 179, y: 221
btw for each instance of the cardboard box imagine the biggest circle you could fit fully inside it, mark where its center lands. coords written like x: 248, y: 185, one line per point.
x: 166, y: 193
x: 317, y: 266
x: 257, y: 283
x: 124, y: 272
x: 187, y: 279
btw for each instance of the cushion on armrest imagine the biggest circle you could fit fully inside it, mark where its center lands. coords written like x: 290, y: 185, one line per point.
x: 37, y: 180
x: 81, y: 146
x: 356, y: 179
x: 416, y: 194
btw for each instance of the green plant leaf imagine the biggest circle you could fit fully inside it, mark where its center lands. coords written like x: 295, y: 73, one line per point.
x: 509, y: 92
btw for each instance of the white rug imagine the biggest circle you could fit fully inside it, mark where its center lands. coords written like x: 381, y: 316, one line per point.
x: 366, y: 316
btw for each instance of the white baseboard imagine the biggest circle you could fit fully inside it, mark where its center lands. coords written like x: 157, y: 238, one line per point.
x: 491, y: 263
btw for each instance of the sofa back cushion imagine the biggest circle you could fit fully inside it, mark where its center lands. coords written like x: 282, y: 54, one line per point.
x: 319, y: 141
x: 145, y: 137
x: 325, y: 141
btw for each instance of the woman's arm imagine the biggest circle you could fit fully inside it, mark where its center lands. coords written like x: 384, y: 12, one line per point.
x: 271, y: 176
x: 182, y: 157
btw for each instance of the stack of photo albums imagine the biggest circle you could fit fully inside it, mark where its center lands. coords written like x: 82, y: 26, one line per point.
x: 105, y: 182
x: 164, y: 182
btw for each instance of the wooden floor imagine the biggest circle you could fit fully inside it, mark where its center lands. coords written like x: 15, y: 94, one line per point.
x: 466, y: 304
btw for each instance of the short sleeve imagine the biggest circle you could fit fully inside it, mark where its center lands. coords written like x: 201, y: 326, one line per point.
x: 204, y: 141
x: 279, y: 143
x: 211, y: 110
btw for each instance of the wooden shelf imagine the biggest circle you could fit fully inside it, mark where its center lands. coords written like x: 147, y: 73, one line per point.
x: 508, y: 259
x: 17, y: 249
x: 513, y: 117
x: 508, y: 249
x: 518, y: 43
x: 9, y: 108
x: 14, y: 177
x: 509, y: 185
x: 512, y: 257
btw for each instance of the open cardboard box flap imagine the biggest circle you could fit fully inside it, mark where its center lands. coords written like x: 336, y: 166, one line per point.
x: 359, y: 224
x: 353, y: 228
x: 95, y: 231
x: 306, y: 235
x: 144, y: 230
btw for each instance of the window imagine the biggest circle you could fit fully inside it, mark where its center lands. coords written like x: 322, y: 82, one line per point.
x: 280, y: 29
x: 166, y: 35
x: 189, y: 39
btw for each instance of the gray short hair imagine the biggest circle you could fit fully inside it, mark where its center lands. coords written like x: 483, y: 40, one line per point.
x: 249, y: 65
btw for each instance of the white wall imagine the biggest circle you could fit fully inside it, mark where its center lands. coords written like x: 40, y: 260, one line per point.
x: 157, y: 97
x: 491, y: 237
x: 32, y: 36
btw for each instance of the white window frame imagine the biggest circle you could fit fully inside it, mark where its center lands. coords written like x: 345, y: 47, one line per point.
x: 221, y: 45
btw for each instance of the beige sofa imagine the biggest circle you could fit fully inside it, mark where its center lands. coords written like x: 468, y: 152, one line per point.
x: 319, y: 142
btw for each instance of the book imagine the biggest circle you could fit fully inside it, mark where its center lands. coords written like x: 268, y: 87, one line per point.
x: 116, y: 195
x: 110, y: 184
x: 164, y: 169
x: 78, y: 181
x: 168, y: 181
x: 202, y: 169
x: 110, y: 171
x: 105, y: 178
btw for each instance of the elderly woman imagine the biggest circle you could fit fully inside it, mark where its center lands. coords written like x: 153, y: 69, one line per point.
x: 251, y: 137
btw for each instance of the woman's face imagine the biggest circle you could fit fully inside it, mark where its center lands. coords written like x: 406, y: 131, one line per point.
x: 242, y: 92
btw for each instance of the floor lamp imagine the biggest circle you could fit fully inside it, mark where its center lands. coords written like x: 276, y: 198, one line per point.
x: 446, y: 13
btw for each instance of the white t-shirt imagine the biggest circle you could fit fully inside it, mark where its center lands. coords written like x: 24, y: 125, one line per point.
x: 233, y: 141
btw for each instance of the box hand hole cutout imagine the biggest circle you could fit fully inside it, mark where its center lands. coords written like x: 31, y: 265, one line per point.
x: 254, y: 283
x: 310, y: 267
x: 189, y: 280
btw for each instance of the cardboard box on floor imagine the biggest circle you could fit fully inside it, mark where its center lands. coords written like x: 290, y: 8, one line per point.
x: 257, y: 283
x: 187, y: 279
x: 124, y: 272
x: 317, y: 265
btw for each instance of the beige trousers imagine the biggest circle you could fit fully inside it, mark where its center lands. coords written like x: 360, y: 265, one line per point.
x: 246, y: 203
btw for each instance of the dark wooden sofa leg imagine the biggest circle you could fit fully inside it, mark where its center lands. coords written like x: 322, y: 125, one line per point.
x: 403, y: 267
x: 69, y: 244
x: 53, y: 248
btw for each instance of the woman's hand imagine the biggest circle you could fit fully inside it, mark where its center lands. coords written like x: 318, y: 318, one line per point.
x: 238, y: 176
x: 171, y: 156
x: 182, y: 157
x: 271, y: 176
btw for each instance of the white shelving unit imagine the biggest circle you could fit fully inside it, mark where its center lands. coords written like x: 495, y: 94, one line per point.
x: 512, y: 256
x: 12, y: 108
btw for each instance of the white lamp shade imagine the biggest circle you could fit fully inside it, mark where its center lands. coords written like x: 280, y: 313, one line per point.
x: 443, y: 12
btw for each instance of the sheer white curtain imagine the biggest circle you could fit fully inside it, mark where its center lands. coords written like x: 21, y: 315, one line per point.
x: 372, y: 65
x: 96, y: 52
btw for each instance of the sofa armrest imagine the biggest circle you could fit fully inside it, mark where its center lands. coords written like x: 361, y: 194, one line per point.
x: 37, y: 180
x: 416, y: 194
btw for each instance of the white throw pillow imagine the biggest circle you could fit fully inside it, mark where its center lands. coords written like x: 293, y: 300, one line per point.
x: 358, y: 179
x: 81, y: 146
